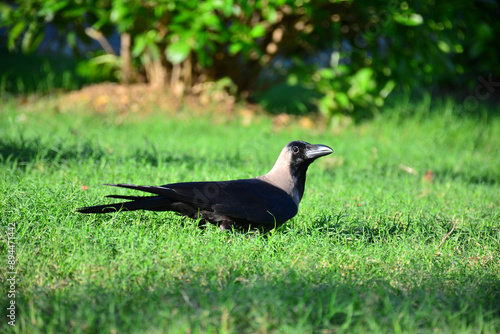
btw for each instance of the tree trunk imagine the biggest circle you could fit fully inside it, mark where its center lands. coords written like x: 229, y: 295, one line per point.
x: 187, y: 72
x: 156, y: 72
x: 125, y: 42
x: 176, y: 85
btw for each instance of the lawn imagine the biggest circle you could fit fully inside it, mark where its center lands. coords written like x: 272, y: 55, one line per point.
x: 398, y: 230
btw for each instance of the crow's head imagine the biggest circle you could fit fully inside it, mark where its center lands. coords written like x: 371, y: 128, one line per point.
x: 301, y: 154
x: 289, y: 171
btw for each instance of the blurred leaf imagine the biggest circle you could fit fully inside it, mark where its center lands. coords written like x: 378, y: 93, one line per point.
x: 272, y: 14
x: 140, y: 43
x: 103, y: 20
x: 443, y: 46
x: 389, y: 86
x: 292, y: 79
x: 363, y: 79
x: 74, y: 12
x: 234, y: 48
x: 50, y: 9
x: 36, y: 41
x: 342, y: 99
x: 408, y: 19
x: 29, y: 38
x: 326, y: 73
x: 5, y: 12
x: 71, y: 38
x: 211, y: 20
x: 15, y: 32
x: 178, y: 51
x: 257, y: 31
x: 327, y: 105
x: 105, y: 59
x: 154, y: 51
x: 118, y: 12
x: 342, y: 69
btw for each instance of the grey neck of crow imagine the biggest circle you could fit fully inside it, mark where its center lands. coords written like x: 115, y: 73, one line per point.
x: 289, y: 176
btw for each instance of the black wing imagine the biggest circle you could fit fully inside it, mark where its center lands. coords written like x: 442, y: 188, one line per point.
x: 251, y: 200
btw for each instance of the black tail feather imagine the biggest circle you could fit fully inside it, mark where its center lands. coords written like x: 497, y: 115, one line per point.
x: 152, y: 203
x: 150, y: 189
x: 105, y: 208
x: 132, y: 198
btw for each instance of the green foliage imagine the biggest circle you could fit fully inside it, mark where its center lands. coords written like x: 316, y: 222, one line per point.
x: 377, y: 46
x: 374, y: 248
x: 31, y: 73
x: 345, y: 92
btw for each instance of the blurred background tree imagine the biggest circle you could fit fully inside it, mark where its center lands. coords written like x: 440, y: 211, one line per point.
x: 338, y: 57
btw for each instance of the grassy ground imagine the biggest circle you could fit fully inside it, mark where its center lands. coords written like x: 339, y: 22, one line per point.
x: 376, y: 247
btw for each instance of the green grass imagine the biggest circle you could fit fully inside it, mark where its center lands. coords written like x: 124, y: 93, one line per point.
x: 373, y: 248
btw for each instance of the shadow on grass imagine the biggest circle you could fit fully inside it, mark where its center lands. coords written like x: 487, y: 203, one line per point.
x: 239, y: 304
x: 27, y: 151
x: 152, y: 155
x: 491, y: 177
x: 430, y: 227
x: 24, y: 152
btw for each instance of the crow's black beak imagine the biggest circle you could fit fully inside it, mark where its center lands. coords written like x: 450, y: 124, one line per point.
x: 316, y: 151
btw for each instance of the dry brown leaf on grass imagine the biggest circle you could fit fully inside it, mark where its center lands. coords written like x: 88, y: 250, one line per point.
x: 428, y: 176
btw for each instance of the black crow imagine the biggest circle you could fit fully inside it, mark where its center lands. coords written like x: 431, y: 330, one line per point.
x: 263, y: 202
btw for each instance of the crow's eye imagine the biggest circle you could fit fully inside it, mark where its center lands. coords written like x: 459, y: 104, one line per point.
x: 295, y: 149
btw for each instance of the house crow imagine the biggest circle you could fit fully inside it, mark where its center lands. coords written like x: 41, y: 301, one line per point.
x: 263, y: 202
